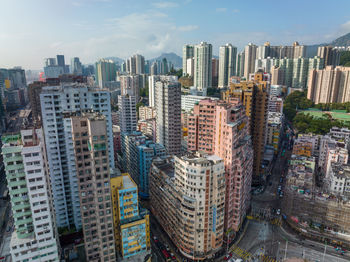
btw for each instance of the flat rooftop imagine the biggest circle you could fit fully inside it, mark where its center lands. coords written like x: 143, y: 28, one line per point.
x: 128, y: 182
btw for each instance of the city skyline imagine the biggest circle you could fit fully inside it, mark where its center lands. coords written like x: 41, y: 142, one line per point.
x: 94, y: 29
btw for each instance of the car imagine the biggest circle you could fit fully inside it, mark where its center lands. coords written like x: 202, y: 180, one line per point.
x: 278, y: 212
x: 155, y: 239
x: 165, y: 253
x: 228, y: 256
x: 172, y: 256
x: 281, y: 194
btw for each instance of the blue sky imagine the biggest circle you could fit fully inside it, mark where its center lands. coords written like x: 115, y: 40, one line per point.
x: 90, y: 29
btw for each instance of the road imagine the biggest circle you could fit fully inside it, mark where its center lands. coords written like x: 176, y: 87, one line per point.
x: 270, y: 239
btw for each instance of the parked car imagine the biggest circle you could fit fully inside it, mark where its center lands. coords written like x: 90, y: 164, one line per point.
x: 172, y: 256
x: 278, y: 212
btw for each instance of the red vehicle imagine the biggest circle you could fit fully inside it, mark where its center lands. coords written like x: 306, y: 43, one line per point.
x: 165, y: 253
x: 155, y: 239
x: 172, y: 256
x: 228, y: 256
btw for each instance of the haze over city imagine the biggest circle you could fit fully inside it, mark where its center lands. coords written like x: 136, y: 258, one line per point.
x: 174, y: 131
x: 92, y: 29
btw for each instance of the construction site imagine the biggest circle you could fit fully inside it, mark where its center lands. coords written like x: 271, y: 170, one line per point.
x: 319, y: 215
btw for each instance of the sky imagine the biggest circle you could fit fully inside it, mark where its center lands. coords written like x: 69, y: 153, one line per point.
x: 32, y: 30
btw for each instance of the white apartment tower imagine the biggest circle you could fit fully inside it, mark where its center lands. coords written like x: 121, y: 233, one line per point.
x: 131, y: 85
x: 152, y: 85
x: 227, y: 64
x: 202, y: 67
x: 200, y: 179
x: 249, y: 59
x: 56, y: 101
x: 168, y: 115
x: 127, y: 113
x: 35, y: 237
x: 187, y: 53
x: 136, y: 64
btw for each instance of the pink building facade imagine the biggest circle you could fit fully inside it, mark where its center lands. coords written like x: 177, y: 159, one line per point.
x: 221, y: 128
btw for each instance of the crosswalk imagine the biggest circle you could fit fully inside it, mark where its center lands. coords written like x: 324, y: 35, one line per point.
x: 241, y: 252
x: 276, y: 221
x: 247, y: 256
x: 264, y: 258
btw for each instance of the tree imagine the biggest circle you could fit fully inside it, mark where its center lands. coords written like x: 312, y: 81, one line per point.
x: 345, y: 58
x: 295, y: 101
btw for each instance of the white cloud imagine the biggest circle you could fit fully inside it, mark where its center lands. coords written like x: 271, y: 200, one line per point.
x: 345, y: 28
x: 221, y: 9
x: 149, y: 33
x: 55, y: 45
x: 235, y: 10
x: 187, y: 28
x: 164, y: 4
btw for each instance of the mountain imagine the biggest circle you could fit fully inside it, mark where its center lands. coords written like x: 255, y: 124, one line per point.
x: 170, y: 57
x: 115, y: 59
x: 342, y: 41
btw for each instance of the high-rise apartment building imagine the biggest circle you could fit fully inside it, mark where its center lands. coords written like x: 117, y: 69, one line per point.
x: 300, y: 72
x: 54, y: 67
x: 106, y: 71
x: 202, y: 56
x: 265, y: 64
x: 56, y: 101
x: 154, y: 69
x: 187, y: 53
x: 127, y: 113
x: 188, y: 200
x: 131, y: 85
x: 255, y: 96
x: 240, y: 64
x: 35, y: 236
x: 76, y: 67
x: 136, y: 65
x: 330, y: 55
x: 146, y: 112
x: 152, y: 85
x: 214, y: 72
x: 222, y: 128
x: 131, y: 223
x: 329, y: 85
x: 90, y: 147
x: 168, y: 115
x: 138, y: 153
x: 249, y: 59
x: 227, y: 63
x: 277, y: 75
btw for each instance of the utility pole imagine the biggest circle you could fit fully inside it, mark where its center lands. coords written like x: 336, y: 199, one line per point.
x: 285, y: 251
x: 324, y: 253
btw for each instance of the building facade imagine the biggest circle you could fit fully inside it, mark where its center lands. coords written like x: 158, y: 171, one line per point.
x: 131, y: 223
x: 168, y: 115
x: 227, y: 64
x: 35, y: 236
x: 106, y: 71
x: 138, y: 153
x: 56, y: 101
x: 202, y: 56
x: 127, y: 113
x: 188, y: 199
x: 255, y: 96
x: 329, y: 85
x: 152, y: 85
x: 90, y: 144
x: 222, y: 128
